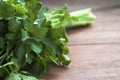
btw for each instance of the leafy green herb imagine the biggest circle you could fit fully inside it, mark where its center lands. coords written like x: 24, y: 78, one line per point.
x: 61, y: 17
x: 31, y: 39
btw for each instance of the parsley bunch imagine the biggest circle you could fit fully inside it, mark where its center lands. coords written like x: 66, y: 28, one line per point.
x: 28, y: 43
x: 31, y: 39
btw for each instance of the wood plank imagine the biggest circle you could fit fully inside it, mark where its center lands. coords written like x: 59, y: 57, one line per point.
x: 90, y: 62
x: 106, y: 29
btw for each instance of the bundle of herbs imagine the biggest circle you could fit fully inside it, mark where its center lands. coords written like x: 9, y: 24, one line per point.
x: 31, y: 39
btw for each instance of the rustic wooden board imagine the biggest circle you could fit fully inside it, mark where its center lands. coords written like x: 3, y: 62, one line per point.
x: 94, y: 50
x: 106, y: 29
x: 90, y: 62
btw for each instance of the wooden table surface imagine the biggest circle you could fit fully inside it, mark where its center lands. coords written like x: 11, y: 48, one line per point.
x: 94, y: 50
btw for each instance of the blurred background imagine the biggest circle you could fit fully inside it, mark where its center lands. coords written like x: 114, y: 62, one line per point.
x: 82, y: 4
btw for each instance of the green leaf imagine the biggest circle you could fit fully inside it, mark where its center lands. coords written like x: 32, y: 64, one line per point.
x: 35, y: 46
x: 41, y: 11
x: 65, y: 50
x: 50, y: 44
x: 14, y: 25
x: 34, y: 6
x: 10, y: 36
x: 53, y: 59
x: 3, y: 73
x: 24, y: 77
x: 20, y: 54
x: 17, y: 76
x: 2, y: 42
x: 21, y: 17
x: 5, y: 13
x: 15, y: 66
x: 39, y: 22
x: 40, y: 66
x: 25, y: 35
x: 20, y: 9
x: 57, y: 34
x: 37, y: 32
x: 22, y: 2
x: 13, y: 76
x: 29, y: 58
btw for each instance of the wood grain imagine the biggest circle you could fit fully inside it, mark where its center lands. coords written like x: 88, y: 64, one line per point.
x: 104, y: 30
x: 90, y: 62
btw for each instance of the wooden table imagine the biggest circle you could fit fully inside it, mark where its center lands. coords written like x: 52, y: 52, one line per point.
x: 94, y: 50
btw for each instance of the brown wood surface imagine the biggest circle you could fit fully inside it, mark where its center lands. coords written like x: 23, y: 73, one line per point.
x: 94, y: 50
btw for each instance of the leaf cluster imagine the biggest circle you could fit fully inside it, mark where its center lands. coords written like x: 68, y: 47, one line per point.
x: 29, y: 43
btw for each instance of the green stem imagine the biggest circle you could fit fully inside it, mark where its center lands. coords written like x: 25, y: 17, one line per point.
x: 85, y: 17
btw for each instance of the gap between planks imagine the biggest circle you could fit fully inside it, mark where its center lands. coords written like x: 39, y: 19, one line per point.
x: 103, y: 43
